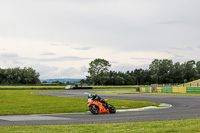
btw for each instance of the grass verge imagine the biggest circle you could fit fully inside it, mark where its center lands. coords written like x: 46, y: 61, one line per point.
x: 135, y: 92
x: 62, y: 87
x: 175, y: 126
x: 117, y: 87
x: 32, y: 87
x: 116, y: 92
x: 17, y: 102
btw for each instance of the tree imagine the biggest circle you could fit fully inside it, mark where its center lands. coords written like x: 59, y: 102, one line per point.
x: 44, y: 81
x: 190, y: 70
x: 177, y: 73
x: 198, y: 69
x: 165, y: 69
x: 19, y: 76
x: 139, y: 76
x: 160, y: 70
x: 99, y: 71
x: 154, y: 69
x: 119, y: 80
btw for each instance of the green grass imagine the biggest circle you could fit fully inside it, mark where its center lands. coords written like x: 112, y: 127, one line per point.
x: 117, y: 87
x: 175, y: 94
x: 32, y: 87
x: 63, y: 87
x: 17, y: 102
x: 176, y: 126
x: 135, y: 92
x: 116, y: 92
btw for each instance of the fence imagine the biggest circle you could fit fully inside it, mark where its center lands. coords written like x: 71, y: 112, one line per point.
x: 192, y: 84
x: 170, y: 89
x: 145, y: 89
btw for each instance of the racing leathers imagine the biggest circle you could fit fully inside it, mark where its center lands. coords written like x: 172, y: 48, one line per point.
x: 98, y: 98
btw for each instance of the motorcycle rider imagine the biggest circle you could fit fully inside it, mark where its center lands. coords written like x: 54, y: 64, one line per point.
x: 96, y: 97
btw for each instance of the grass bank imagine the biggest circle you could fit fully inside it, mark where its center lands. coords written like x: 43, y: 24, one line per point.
x: 116, y: 92
x: 32, y: 87
x: 135, y: 92
x: 181, y: 126
x: 116, y: 87
x: 17, y: 102
x: 62, y: 87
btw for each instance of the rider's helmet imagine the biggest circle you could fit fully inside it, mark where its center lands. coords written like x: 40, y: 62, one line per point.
x: 90, y: 96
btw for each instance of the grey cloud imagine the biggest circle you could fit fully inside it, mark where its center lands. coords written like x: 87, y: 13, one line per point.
x: 14, y: 57
x: 55, y: 44
x: 141, y: 58
x: 128, y: 67
x: 182, y: 49
x: 2, y: 49
x: 48, y: 53
x: 83, y: 48
x: 134, y: 25
x: 83, y: 69
x: 178, y: 56
x: 169, y: 22
x: 65, y: 58
x: 9, y: 55
x: 68, y: 72
x: 54, y: 72
x: 45, y: 70
x: 65, y: 44
x: 113, y: 62
x: 71, y: 72
x: 142, y: 61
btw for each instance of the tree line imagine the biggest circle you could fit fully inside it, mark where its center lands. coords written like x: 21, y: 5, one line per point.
x: 19, y: 76
x: 159, y: 72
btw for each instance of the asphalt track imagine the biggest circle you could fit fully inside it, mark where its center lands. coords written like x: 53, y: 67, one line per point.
x: 183, y: 107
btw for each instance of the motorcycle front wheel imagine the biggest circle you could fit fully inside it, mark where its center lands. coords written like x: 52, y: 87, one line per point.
x: 94, y: 109
x: 111, y: 109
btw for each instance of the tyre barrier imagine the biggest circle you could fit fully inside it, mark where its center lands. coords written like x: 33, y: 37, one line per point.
x: 82, y: 88
x: 166, y: 90
x: 193, y: 90
x: 145, y: 89
x: 172, y: 89
x: 179, y: 90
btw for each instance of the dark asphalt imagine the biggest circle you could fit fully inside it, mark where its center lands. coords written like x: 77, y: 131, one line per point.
x: 183, y: 107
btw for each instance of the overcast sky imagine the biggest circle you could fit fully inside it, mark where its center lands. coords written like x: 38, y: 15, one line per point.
x: 59, y: 38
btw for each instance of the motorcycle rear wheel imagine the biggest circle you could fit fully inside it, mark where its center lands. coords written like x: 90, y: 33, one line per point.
x: 94, y: 109
x: 111, y: 109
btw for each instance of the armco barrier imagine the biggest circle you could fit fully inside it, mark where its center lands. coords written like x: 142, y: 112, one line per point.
x: 148, y: 89
x: 142, y: 89
x: 145, y: 89
x: 179, y: 90
x: 172, y: 89
x: 82, y: 87
x: 193, y: 89
x: 166, y: 90
x: 159, y: 89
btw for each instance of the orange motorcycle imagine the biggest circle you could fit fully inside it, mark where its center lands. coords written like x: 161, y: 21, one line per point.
x: 97, y: 107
